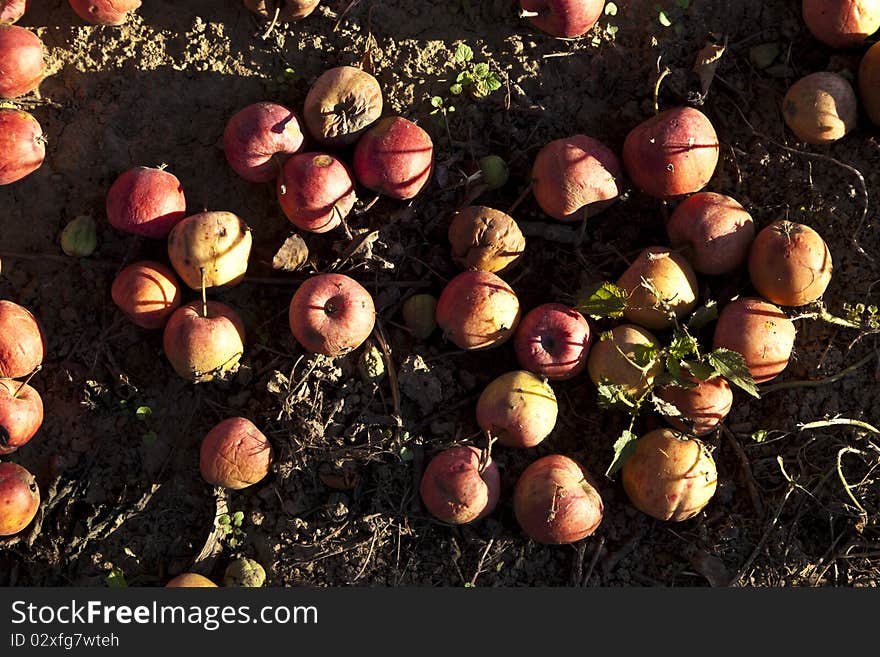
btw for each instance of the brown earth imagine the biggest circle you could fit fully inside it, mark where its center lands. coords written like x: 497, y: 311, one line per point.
x: 123, y: 492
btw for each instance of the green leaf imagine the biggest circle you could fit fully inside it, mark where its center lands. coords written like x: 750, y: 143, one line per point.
x: 493, y: 82
x: 455, y: 89
x: 612, y: 29
x: 233, y: 542
x: 436, y: 101
x: 601, y: 301
x: 481, y: 70
x: 612, y: 396
x: 238, y: 518
x: 683, y: 345
x: 700, y: 370
x: 732, y: 366
x: 611, y: 9
x: 470, y: 585
x: 760, y: 435
x: 664, y: 19
x: 143, y: 412
x: 673, y: 366
x: 224, y: 519
x: 116, y: 579
x: 464, y: 53
x: 703, y: 315
x: 463, y: 77
x: 624, y: 446
x: 644, y: 354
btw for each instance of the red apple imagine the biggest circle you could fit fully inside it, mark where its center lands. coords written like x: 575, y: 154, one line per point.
x: 553, y: 340
x: 518, y: 408
x: 22, y: 145
x: 146, y: 201
x: 331, y: 314
x: 556, y: 502
x: 12, y: 10
x: 288, y: 10
x: 702, y: 407
x: 395, y: 158
x: 204, y: 346
x: 477, y: 310
x: 21, y: 414
x: 258, y: 139
x: 19, y: 498
x: 316, y: 191
x: 842, y: 23
x: 575, y: 178
x: 563, y: 18
x: 104, y: 12
x: 21, y: 61
x: 457, y: 488
x: 671, y: 154
x: 147, y: 292
x: 234, y: 454
x: 22, y: 343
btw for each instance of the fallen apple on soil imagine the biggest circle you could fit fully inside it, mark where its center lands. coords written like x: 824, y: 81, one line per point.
x: 459, y: 487
x: 21, y: 414
x: 204, y: 342
x: 259, y: 138
x: 702, y: 407
x: 563, y: 18
x: 477, y: 310
x: 19, y: 498
x: 12, y: 10
x: 713, y: 231
x: 21, y: 61
x: 79, y: 238
x: 518, y: 408
x: 235, y: 454
x: 485, y: 239
x: 147, y: 293
x: 287, y: 10
x: 789, y: 264
x: 820, y: 108
x: 841, y: 23
x: 661, y: 287
x: 210, y: 248
x: 22, y: 343
x: 554, y: 341
x: 623, y: 357
x: 104, y: 12
x: 669, y: 476
x: 395, y: 157
x: 556, y: 501
x: 331, y: 314
x: 341, y: 104
x: 316, y: 191
x: 146, y: 201
x: 190, y: 580
x: 760, y: 332
x: 22, y: 145
x: 575, y: 178
x: 671, y: 154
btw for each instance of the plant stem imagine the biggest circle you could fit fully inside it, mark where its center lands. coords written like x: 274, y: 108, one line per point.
x: 26, y: 381
x: 837, y: 421
x: 843, y: 480
x: 826, y: 316
x: 819, y: 382
x: 666, y: 71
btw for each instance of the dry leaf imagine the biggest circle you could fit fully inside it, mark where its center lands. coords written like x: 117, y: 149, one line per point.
x: 292, y: 255
x: 707, y: 61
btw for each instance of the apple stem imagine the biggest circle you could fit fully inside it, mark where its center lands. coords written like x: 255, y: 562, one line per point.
x: 666, y: 71
x: 27, y: 380
x: 370, y: 204
x: 525, y: 13
x: 204, y: 294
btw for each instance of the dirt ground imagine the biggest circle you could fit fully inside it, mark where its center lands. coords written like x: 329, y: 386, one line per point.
x: 122, y: 493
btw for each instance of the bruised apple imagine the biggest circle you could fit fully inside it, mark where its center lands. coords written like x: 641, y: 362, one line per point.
x: 21, y: 61
x: 22, y: 145
x: 395, y: 157
x: 702, y: 406
x: 713, y: 231
x: 556, y: 502
x: 12, y: 10
x: 341, y: 104
x: 575, y: 178
x: 760, y: 332
x: 331, y: 314
x: 147, y: 293
x: 458, y: 487
x: 235, y: 454
x: 553, y: 340
x: 485, y: 239
x: 563, y: 18
x: 789, y: 264
x: 214, y: 246
x: 21, y: 414
x: 146, y: 201
x: 259, y: 138
x: 288, y: 10
x: 104, y: 12
x: 625, y: 357
x: 477, y: 310
x: 316, y: 191
x: 22, y: 343
x: 661, y: 287
x: 19, y: 498
x: 842, y: 23
x: 669, y: 476
x: 204, y: 342
x: 518, y: 408
x: 672, y: 153
x: 820, y: 108
x: 190, y: 580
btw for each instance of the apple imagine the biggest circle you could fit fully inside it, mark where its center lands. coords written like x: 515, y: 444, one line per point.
x: 458, y: 487
x: 22, y: 145
x: 316, y: 191
x: 342, y: 103
x: 190, y: 580
x: 21, y: 414
x: 395, y: 157
x: 554, y: 341
x: 331, y: 314
x: 258, y: 139
x: 104, y: 12
x: 12, y: 10
x: 22, y: 343
x: 204, y: 341
x: 518, y: 408
x: 563, y: 18
x: 21, y: 61
x: 210, y: 248
x: 147, y: 292
x: 477, y: 310
x: 146, y: 201
x: 235, y: 454
x: 19, y: 498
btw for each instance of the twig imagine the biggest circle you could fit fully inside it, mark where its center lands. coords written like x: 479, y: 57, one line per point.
x: 593, y: 561
x: 846, y: 486
x: 272, y: 24
x: 473, y: 581
x: 746, y: 465
x: 837, y: 421
x: 819, y: 382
